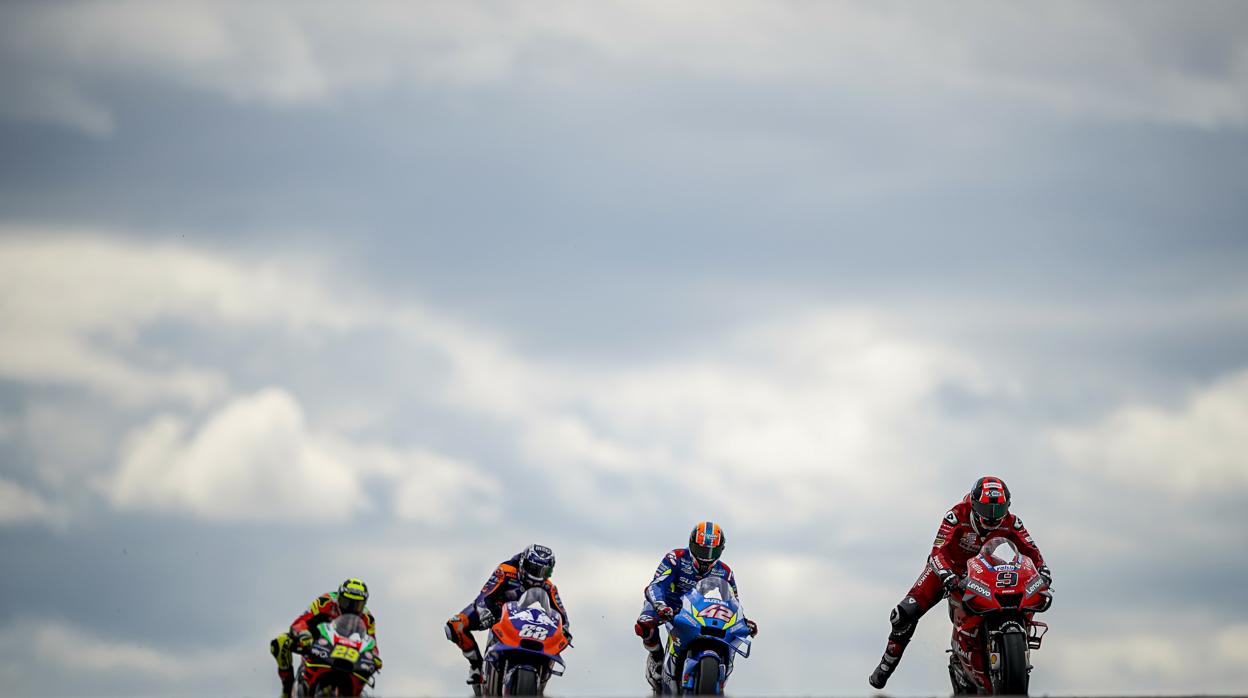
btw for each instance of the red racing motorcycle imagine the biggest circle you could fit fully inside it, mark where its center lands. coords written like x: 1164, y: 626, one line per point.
x: 993, y: 627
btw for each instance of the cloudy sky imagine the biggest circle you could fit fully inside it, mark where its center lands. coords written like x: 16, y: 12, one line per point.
x: 290, y: 293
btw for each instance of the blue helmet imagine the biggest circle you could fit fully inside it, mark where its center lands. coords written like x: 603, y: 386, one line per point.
x: 537, y: 562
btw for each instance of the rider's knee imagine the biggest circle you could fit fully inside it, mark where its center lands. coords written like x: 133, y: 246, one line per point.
x: 457, y: 631
x: 905, y: 617
x: 280, y: 649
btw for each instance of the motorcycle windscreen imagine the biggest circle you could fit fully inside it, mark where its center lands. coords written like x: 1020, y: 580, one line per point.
x: 536, y: 598
x: 351, y: 627
x: 714, y: 589
x: 1000, y: 551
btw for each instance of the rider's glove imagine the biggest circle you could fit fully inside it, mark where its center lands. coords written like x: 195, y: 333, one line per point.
x: 377, y: 662
x: 304, y: 638
x: 485, y: 615
x: 1047, y: 601
x: 1046, y: 574
x: 567, y: 634
x: 951, y: 582
x: 645, y: 625
x: 664, y: 612
x: 753, y: 627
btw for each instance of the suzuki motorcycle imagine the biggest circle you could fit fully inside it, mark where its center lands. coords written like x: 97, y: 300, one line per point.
x: 340, y: 662
x: 993, y: 627
x: 525, y: 647
x: 704, y: 638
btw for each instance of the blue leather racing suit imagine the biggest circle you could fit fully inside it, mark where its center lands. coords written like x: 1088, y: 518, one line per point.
x: 675, y: 576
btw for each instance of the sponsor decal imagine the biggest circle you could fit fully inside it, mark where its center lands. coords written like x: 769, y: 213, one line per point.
x: 1018, y: 523
x: 952, y: 518
x: 1035, y: 585
x: 978, y: 588
x: 970, y: 541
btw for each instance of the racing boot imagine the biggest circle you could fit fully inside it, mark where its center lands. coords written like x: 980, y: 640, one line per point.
x: 476, y: 678
x: 885, y: 669
x: 654, y: 671
x: 903, y: 619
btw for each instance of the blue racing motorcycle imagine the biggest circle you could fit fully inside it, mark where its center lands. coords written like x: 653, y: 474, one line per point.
x: 704, y: 638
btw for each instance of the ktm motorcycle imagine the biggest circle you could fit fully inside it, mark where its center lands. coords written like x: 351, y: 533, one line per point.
x: 525, y: 647
x: 341, y: 661
x: 704, y: 638
x: 993, y: 626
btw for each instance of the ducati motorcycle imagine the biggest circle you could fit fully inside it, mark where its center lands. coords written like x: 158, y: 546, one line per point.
x: 994, y: 629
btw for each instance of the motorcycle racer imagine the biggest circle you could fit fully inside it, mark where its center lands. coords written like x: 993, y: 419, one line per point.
x: 529, y: 568
x: 351, y: 597
x: 678, y: 572
x: 982, y: 513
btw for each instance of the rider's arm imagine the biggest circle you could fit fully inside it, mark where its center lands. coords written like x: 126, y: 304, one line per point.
x: 371, y: 624
x: 664, y: 576
x: 946, y: 540
x: 554, y: 596
x: 1025, y: 544
x: 732, y: 581
x: 315, y: 610
x: 495, y: 585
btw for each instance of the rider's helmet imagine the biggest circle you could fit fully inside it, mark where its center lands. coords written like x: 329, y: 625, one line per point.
x: 537, y: 562
x: 706, y: 544
x: 352, y: 595
x: 990, y: 502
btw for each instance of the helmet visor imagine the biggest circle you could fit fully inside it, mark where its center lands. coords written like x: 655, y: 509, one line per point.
x: 992, y: 513
x: 350, y: 603
x: 705, y: 554
x: 534, y: 570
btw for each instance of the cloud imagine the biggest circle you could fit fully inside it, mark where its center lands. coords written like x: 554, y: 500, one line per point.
x: 1103, y: 664
x: 257, y: 459
x: 1198, y: 447
x: 55, y: 653
x: 252, y: 459
x: 1164, y: 64
x: 21, y: 506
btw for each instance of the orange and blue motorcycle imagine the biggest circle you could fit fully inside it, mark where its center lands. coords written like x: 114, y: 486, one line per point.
x: 525, y: 647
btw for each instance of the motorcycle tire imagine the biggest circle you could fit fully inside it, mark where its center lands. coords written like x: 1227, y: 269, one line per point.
x: 1013, y: 678
x: 524, y: 682
x: 707, y: 681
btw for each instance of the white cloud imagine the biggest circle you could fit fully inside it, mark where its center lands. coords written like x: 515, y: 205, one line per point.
x: 21, y: 506
x: 1074, y: 58
x: 252, y: 459
x: 1199, y: 446
x: 427, y: 487
x: 256, y: 458
x: 1164, y: 661
x: 798, y: 414
x: 53, y: 652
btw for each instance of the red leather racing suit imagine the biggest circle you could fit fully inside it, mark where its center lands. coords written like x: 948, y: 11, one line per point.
x: 957, y: 541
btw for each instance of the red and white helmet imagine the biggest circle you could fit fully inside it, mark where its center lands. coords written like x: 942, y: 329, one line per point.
x: 990, y: 502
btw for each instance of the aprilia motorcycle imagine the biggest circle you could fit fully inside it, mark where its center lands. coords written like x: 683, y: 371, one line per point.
x: 525, y: 647
x: 993, y: 629
x: 340, y: 661
x: 704, y: 638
